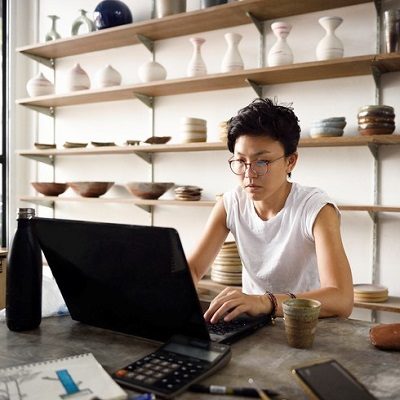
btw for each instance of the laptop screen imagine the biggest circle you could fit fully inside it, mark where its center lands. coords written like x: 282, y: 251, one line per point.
x: 127, y: 278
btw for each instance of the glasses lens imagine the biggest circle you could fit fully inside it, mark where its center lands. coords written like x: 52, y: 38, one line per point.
x: 237, y: 167
x: 259, y: 167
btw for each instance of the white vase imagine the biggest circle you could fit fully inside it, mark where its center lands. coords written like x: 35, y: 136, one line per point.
x: 280, y: 53
x: 52, y: 34
x: 196, y: 66
x: 107, y: 76
x: 232, y: 60
x: 77, y: 79
x: 330, y: 46
x: 39, y: 85
x: 152, y: 71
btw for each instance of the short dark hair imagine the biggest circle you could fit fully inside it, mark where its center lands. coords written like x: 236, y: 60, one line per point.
x: 264, y: 117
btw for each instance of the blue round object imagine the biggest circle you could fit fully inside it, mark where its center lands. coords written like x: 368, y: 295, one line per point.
x: 109, y: 13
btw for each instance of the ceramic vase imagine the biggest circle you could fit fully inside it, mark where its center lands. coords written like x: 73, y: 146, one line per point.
x: 109, y: 13
x: 82, y: 20
x: 107, y: 76
x: 77, y: 79
x: 39, y: 85
x: 52, y: 34
x: 330, y: 46
x: 391, y: 19
x: 280, y: 53
x: 232, y: 60
x: 169, y: 7
x: 196, y: 66
x: 152, y: 71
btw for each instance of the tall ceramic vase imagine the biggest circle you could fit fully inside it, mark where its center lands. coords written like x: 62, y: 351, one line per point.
x: 196, y: 66
x: 280, y: 53
x: 232, y: 60
x: 330, y: 46
x: 52, y: 34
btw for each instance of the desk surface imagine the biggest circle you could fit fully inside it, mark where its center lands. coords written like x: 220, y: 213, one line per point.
x: 264, y: 356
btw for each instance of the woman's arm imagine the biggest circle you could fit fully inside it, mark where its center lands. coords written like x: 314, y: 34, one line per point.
x: 210, y: 243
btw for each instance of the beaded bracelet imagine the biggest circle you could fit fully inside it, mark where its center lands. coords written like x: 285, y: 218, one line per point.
x: 291, y: 295
x: 274, y: 304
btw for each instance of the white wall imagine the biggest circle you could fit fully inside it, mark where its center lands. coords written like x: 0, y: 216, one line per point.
x: 345, y: 173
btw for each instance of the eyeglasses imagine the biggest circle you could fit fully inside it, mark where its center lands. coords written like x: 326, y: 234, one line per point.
x: 259, y: 167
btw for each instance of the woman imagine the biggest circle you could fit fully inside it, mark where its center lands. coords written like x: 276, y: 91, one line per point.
x: 288, y: 235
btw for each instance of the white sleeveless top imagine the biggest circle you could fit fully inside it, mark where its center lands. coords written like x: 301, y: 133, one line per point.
x: 279, y: 254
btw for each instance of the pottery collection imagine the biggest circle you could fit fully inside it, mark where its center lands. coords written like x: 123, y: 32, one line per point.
x: 107, y: 76
x: 328, y: 127
x: 39, y: 86
x: 109, y: 13
x: 330, y: 46
x: 193, y: 130
x: 77, y: 79
x: 84, y: 21
x: 169, y: 7
x: 152, y: 71
x: 232, y: 60
x: 376, y: 120
x: 280, y: 53
x: 197, y: 66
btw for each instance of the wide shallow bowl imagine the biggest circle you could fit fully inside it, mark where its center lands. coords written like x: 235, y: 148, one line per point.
x: 45, y: 146
x: 158, y: 140
x: 50, y: 188
x: 148, y: 190
x: 90, y: 189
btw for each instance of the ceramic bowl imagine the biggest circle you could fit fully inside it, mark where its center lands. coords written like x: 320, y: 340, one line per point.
x: 90, y: 189
x: 158, y: 139
x: 50, y: 188
x: 45, y: 146
x: 148, y: 190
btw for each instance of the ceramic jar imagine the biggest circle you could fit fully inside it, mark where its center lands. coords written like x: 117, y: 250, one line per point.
x: 77, y: 79
x: 107, y: 76
x: 330, y: 46
x: 39, y: 85
x: 109, y: 13
x: 52, y: 34
x: 196, y: 66
x: 152, y: 71
x: 232, y: 60
x: 280, y: 53
x: 169, y: 7
x: 82, y: 20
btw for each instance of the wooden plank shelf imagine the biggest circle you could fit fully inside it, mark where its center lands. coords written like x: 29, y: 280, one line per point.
x: 343, y: 141
x: 224, y: 16
x: 315, y: 70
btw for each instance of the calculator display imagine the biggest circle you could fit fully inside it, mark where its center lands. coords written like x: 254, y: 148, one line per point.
x: 196, y: 352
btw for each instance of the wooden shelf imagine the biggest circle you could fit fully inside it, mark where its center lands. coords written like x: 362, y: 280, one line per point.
x: 209, y: 289
x: 391, y: 305
x: 338, y: 68
x: 146, y: 150
x: 209, y: 19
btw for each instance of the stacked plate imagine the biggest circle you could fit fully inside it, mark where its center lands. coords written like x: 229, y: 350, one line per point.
x: 223, y: 131
x: 188, y: 193
x: 193, y: 130
x: 227, y: 267
x: 376, y: 120
x: 328, y: 127
x: 370, y: 293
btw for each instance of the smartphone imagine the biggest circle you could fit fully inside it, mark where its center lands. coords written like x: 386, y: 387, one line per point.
x: 329, y: 380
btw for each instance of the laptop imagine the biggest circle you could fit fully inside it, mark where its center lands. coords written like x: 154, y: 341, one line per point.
x: 129, y: 278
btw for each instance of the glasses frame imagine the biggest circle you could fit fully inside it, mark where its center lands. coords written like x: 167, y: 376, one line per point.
x: 249, y: 165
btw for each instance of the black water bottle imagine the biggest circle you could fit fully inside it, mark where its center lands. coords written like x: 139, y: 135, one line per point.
x: 24, y: 276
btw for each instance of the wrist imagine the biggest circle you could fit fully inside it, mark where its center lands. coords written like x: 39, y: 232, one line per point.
x: 274, y: 304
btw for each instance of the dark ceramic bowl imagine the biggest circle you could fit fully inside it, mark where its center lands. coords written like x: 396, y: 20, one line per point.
x: 158, y: 140
x: 148, y: 190
x: 109, y: 13
x: 50, y: 188
x: 90, y: 189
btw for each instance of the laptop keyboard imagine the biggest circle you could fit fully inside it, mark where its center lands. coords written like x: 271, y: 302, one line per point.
x: 223, y: 327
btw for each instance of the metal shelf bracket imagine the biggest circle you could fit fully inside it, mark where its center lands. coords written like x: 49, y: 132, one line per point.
x: 373, y: 215
x: 50, y: 111
x: 147, y: 100
x: 145, y: 207
x: 145, y: 156
x: 257, y: 23
x: 148, y: 43
x: 48, y: 62
x: 376, y: 73
x: 41, y: 202
x: 44, y: 159
x: 256, y: 87
x: 373, y: 148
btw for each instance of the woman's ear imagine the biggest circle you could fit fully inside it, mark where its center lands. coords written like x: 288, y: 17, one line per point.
x: 292, y: 160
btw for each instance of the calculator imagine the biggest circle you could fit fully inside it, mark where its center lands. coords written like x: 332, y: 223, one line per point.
x: 175, y: 366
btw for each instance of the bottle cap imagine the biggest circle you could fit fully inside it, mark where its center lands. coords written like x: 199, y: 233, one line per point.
x: 25, y: 213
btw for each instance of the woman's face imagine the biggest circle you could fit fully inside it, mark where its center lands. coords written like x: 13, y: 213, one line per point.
x: 260, y: 148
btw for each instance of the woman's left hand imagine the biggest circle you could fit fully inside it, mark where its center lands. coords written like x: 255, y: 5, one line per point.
x: 232, y: 302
